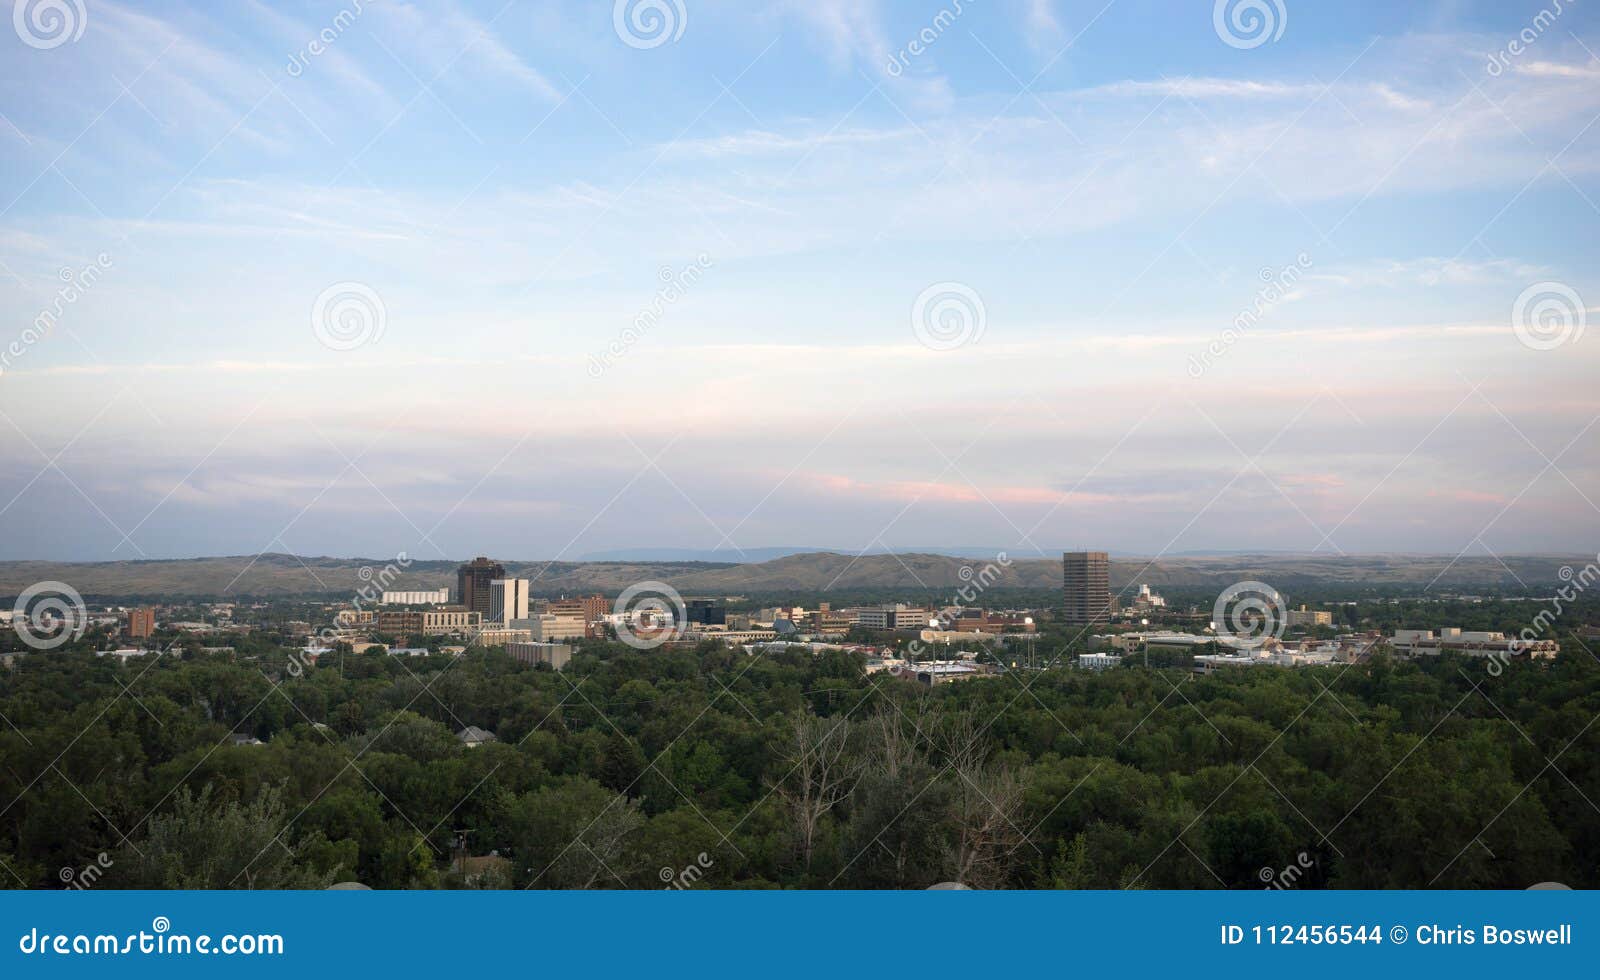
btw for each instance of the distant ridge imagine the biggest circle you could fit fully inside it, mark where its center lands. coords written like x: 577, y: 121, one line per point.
x: 279, y: 575
x: 745, y: 556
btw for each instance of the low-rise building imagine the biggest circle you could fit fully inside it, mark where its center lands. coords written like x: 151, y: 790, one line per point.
x: 1451, y: 639
x: 1098, y: 661
x: 552, y: 627
x: 730, y: 637
x: 932, y: 674
x: 956, y: 636
x: 796, y: 616
x: 832, y: 621
x: 430, y: 622
x: 495, y: 636
x: 1303, y: 617
x: 590, y: 610
x: 472, y: 736
x: 1131, y: 642
x: 424, y: 597
x: 1147, y: 600
x: 1272, y: 656
x: 896, y: 617
x: 123, y: 654
x: 557, y: 655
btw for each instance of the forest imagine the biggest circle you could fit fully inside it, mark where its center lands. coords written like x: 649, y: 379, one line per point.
x: 713, y: 768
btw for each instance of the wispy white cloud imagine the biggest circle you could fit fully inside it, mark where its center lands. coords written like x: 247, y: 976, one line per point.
x: 1430, y: 271
x: 1040, y: 20
x: 1551, y: 69
x: 853, y: 33
x: 1203, y: 88
x: 449, y: 40
x: 297, y: 36
x: 763, y: 143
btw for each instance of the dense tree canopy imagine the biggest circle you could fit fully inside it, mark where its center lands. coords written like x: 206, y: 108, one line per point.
x: 715, y: 768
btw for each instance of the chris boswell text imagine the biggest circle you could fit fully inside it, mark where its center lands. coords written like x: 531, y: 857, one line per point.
x: 1425, y: 934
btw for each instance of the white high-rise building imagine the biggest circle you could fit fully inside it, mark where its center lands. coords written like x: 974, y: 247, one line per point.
x: 508, y: 600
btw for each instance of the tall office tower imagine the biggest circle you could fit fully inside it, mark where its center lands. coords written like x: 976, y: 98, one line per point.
x: 508, y: 600
x: 141, y: 623
x: 596, y: 607
x: 1086, y: 587
x: 472, y: 583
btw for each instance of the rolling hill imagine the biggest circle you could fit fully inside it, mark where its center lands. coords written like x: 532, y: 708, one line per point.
x: 280, y: 575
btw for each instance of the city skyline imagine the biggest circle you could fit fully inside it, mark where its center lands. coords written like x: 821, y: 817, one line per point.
x: 387, y: 294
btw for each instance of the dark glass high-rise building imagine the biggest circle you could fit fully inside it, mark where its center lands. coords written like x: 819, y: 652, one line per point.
x: 1086, y: 587
x: 706, y: 612
x: 472, y: 583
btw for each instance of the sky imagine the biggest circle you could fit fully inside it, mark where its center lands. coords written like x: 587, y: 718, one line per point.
x: 540, y: 280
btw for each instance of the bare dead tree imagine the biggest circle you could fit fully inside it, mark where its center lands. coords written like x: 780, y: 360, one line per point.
x: 987, y: 803
x: 821, y: 771
x: 592, y: 859
x: 987, y: 834
x: 897, y: 737
x: 962, y: 740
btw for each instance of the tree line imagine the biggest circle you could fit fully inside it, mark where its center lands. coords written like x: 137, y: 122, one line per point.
x: 787, y: 769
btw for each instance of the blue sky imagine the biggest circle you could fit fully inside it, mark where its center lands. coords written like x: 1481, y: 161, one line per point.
x: 383, y: 291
